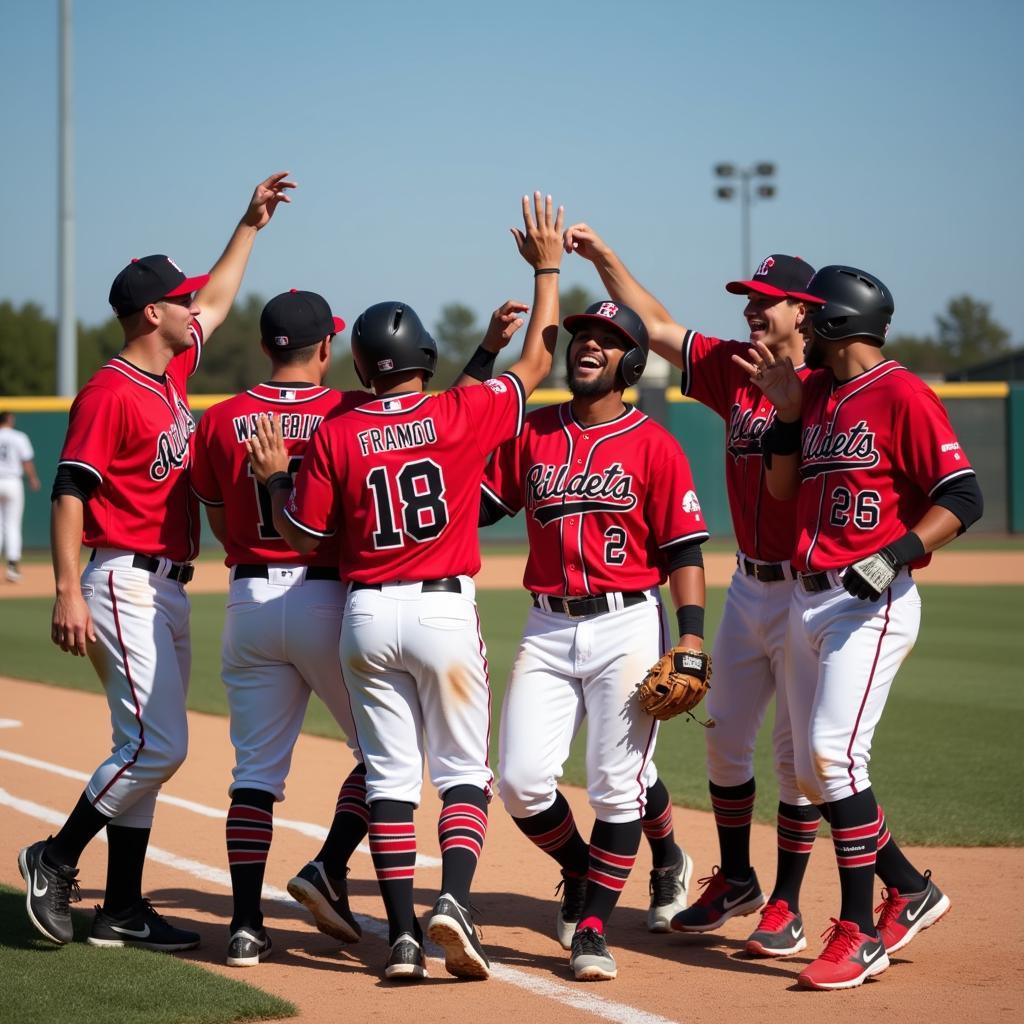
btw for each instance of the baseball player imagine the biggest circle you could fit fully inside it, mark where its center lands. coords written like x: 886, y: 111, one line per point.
x: 16, y: 460
x: 122, y: 488
x: 397, y: 480
x: 880, y: 482
x: 749, y: 653
x: 611, y: 514
x: 282, y: 626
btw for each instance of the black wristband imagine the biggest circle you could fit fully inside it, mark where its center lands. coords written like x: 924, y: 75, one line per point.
x: 907, y: 549
x: 782, y: 438
x: 547, y: 270
x: 690, y: 619
x: 481, y: 364
x: 279, y: 481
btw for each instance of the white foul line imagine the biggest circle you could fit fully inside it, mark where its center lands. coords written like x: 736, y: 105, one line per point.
x: 577, y: 997
x: 9, y: 723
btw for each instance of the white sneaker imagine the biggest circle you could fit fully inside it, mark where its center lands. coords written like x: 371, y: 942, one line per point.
x: 669, y: 891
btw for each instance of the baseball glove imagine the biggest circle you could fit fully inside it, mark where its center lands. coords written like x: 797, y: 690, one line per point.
x: 676, y: 684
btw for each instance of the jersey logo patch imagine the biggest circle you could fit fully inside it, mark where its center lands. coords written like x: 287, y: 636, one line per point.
x: 499, y: 387
x: 385, y: 364
x: 552, y: 494
x: 608, y: 309
x: 280, y: 340
x: 825, y: 452
x: 690, y: 502
x: 766, y: 265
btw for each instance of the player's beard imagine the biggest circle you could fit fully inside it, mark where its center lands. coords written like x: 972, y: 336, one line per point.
x: 596, y: 387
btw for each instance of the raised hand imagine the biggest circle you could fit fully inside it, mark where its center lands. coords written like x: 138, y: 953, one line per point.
x: 540, y: 243
x: 267, y: 453
x: 584, y: 241
x: 265, y: 199
x: 776, y: 378
x: 505, y: 321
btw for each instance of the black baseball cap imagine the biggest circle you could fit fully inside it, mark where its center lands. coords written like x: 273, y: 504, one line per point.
x: 296, y: 319
x: 784, y: 277
x: 611, y: 314
x: 150, y: 279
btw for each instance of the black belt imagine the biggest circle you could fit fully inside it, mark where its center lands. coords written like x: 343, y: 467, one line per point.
x: 815, y: 582
x: 261, y: 572
x: 180, y: 572
x: 447, y: 585
x: 577, y: 607
x: 764, y: 572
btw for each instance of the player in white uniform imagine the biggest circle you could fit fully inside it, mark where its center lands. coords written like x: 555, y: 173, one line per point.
x: 16, y: 460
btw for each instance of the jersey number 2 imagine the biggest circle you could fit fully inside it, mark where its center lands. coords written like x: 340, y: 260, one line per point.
x: 424, y: 512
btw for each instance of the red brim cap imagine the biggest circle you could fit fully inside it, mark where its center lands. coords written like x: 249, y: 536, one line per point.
x: 745, y: 287
x: 189, y: 285
x: 339, y: 324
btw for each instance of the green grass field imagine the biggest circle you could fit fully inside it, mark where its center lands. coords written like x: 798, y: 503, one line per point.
x: 946, y: 760
x: 44, y: 984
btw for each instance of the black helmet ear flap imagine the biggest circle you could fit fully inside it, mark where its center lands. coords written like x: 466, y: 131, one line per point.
x: 631, y: 368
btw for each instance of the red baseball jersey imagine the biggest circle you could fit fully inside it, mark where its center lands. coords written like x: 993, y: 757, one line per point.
x: 133, y: 430
x: 602, y: 502
x: 765, y: 527
x: 222, y: 476
x: 874, y: 450
x: 398, y: 479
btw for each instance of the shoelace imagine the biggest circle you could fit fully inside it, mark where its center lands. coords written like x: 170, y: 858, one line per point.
x: 664, y: 885
x: 840, y: 942
x: 574, y: 892
x: 713, y: 885
x: 65, y: 891
x: 587, y: 940
x: 774, y: 918
x: 890, y: 908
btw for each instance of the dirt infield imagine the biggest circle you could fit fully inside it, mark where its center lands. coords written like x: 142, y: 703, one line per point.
x: 506, y: 571
x: 50, y: 739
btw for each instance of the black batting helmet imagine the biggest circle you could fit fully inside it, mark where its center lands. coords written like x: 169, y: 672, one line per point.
x: 856, y: 304
x: 390, y: 338
x: 623, y: 320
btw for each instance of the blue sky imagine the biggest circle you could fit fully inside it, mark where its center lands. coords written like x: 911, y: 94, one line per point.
x: 414, y: 128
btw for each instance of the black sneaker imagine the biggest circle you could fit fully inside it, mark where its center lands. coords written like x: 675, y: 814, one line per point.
x: 406, y: 962
x: 326, y: 899
x: 140, y: 926
x: 669, y: 889
x: 590, y: 960
x: 49, y: 891
x: 248, y: 946
x: 451, y: 927
x: 722, y: 899
x: 570, y: 908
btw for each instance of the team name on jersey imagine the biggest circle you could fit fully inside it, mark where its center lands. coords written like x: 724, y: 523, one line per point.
x: 294, y: 425
x: 172, y: 444
x: 394, y: 437
x: 547, y: 487
x: 745, y: 430
x: 824, y: 452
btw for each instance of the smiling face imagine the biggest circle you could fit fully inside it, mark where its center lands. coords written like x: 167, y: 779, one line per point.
x: 773, y: 320
x: 175, y: 316
x: 594, y: 356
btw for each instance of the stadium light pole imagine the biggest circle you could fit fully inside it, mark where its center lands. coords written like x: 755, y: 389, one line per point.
x: 67, y: 342
x: 764, y: 174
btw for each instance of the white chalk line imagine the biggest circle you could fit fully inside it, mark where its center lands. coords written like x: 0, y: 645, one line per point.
x: 577, y: 997
x: 9, y: 723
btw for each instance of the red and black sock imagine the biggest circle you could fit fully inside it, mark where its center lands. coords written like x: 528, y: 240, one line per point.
x: 393, y: 849
x: 733, y: 807
x: 554, y: 831
x: 658, y: 826
x: 349, y: 825
x: 613, y: 847
x: 855, y: 837
x: 461, y: 828
x: 891, y: 864
x: 249, y: 831
x: 83, y: 825
x: 126, y: 858
x: 796, y: 828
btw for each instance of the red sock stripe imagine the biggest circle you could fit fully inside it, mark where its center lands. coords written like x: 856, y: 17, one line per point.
x: 392, y: 828
x: 462, y: 842
x: 883, y: 831
x: 556, y: 838
x: 792, y: 825
x: 793, y: 845
x: 393, y: 849
x: 246, y: 857
x: 462, y: 826
x: 659, y: 827
x: 396, y: 874
x: 860, y: 860
x: 795, y: 836
x: 259, y: 835
x: 744, y: 803
x: 248, y: 832
x: 733, y: 813
x: 612, y: 860
x: 855, y: 832
x: 352, y: 797
x: 249, y: 813
x: 606, y: 881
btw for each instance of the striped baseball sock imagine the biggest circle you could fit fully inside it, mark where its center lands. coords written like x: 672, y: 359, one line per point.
x: 733, y: 807
x: 613, y: 847
x: 393, y: 849
x: 249, y: 830
x: 554, y: 831
x: 891, y: 864
x: 461, y: 828
x: 855, y: 838
x: 658, y: 826
x: 796, y: 829
x: 349, y: 825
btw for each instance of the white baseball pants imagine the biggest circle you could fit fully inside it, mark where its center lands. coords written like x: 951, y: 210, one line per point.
x: 12, y: 507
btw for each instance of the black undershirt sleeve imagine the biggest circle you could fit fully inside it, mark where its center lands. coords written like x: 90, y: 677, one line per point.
x: 74, y: 480
x: 490, y: 511
x: 963, y: 498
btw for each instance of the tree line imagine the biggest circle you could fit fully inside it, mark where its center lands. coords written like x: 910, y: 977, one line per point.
x: 965, y: 334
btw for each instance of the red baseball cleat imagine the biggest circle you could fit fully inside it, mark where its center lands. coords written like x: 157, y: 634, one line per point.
x: 849, y: 958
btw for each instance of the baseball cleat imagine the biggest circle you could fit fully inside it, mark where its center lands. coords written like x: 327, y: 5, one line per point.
x: 326, y: 899
x: 451, y: 927
x: 849, y: 958
x: 406, y: 962
x: 590, y: 959
x: 722, y: 899
x: 13, y: 574
x: 248, y: 946
x: 780, y: 933
x: 570, y: 907
x: 902, y: 917
x: 49, y: 891
x: 669, y: 888
x: 140, y: 926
